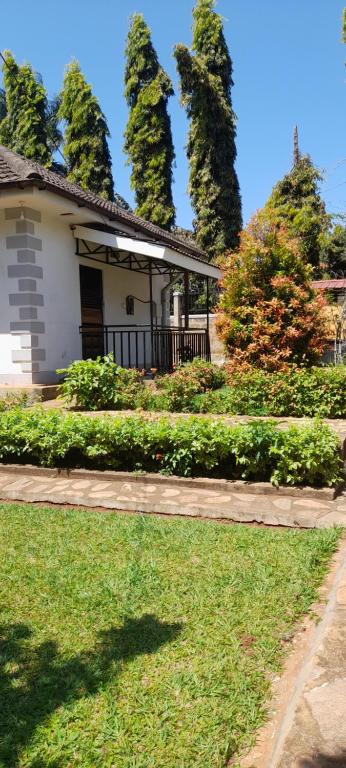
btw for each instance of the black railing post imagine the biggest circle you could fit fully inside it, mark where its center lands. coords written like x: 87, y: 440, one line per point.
x: 151, y: 313
x: 207, y: 351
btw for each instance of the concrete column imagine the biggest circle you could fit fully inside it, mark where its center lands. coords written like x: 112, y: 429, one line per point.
x: 177, y: 309
x: 186, y: 299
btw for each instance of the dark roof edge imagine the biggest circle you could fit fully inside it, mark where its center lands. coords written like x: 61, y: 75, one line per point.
x: 135, y: 223
x: 28, y: 174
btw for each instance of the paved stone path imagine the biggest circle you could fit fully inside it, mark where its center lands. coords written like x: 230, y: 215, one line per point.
x: 314, y: 730
x: 306, y: 727
x: 167, y: 497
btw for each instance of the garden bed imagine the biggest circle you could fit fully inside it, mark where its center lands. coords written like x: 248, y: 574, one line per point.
x: 257, y: 451
x: 130, y: 638
x: 200, y: 387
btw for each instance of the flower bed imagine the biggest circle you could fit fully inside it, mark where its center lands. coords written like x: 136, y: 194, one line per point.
x: 199, y: 387
x: 259, y: 450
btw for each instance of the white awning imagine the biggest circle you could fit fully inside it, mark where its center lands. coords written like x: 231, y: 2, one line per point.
x: 160, y: 253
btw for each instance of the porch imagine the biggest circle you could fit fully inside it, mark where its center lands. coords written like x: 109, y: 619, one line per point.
x: 152, y: 343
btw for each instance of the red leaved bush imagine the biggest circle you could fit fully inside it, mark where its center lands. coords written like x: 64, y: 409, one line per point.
x: 269, y: 316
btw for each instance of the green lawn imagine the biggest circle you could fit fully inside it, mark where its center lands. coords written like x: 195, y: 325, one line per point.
x: 138, y: 642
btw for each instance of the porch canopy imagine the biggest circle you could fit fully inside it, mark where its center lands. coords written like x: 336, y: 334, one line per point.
x: 138, y: 255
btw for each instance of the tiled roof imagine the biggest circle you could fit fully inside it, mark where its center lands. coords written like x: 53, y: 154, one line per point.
x: 5, y: 171
x: 15, y: 169
x: 330, y: 284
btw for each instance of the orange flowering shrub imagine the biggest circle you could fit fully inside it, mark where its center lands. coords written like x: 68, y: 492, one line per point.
x: 269, y: 316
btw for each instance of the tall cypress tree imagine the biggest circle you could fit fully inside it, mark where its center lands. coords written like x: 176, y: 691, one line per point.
x: 85, y: 147
x: 3, y: 108
x: 54, y: 134
x: 206, y: 82
x: 334, y: 255
x: 148, y: 136
x: 24, y: 128
x: 296, y: 204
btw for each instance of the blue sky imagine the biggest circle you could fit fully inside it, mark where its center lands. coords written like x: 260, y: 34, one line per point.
x: 288, y: 68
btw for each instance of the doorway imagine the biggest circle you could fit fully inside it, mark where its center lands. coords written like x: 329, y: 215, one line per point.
x: 91, y: 293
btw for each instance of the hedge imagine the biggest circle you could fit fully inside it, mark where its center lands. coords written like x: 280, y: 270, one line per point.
x: 259, y: 450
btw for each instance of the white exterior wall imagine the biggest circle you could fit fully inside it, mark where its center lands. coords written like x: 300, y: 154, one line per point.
x: 61, y: 312
x: 119, y: 283
x: 8, y: 344
x: 28, y: 355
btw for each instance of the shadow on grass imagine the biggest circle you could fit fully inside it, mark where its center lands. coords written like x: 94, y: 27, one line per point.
x: 319, y: 760
x: 35, y: 681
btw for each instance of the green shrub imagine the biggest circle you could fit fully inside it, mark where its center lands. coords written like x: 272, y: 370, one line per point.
x: 301, y: 452
x: 209, y: 375
x: 177, y: 390
x: 201, y: 447
x: 101, y: 384
x: 297, y: 392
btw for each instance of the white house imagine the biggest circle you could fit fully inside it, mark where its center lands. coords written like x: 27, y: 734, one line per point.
x: 80, y: 276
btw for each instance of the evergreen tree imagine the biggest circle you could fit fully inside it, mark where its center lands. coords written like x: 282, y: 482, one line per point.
x: 54, y: 133
x: 86, y: 148
x: 206, y: 81
x: 148, y: 136
x: 3, y: 108
x: 297, y: 204
x: 334, y: 255
x: 24, y: 128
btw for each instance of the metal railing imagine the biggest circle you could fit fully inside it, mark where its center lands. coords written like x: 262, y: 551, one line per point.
x: 143, y: 347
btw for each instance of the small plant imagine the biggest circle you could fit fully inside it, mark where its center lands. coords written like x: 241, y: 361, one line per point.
x: 14, y: 400
x: 176, y: 391
x: 209, y: 375
x: 179, y: 389
x: 101, y: 384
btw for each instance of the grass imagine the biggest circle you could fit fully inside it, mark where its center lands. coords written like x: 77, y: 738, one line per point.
x: 135, y: 642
